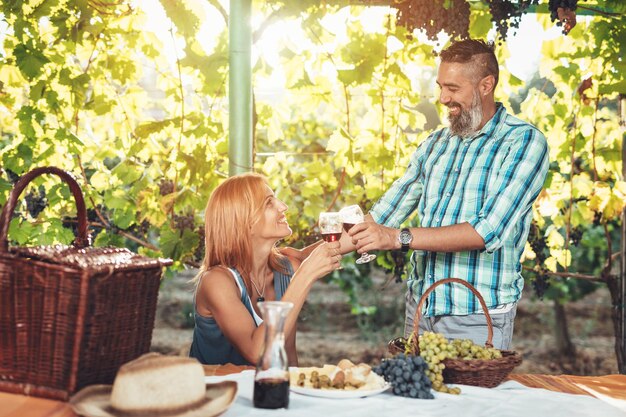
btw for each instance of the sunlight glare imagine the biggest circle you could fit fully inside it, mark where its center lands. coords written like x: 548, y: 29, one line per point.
x: 524, y: 44
x: 374, y: 19
x: 158, y: 23
x: 336, y: 23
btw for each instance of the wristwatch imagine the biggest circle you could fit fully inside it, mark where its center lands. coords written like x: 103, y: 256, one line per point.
x: 405, y: 237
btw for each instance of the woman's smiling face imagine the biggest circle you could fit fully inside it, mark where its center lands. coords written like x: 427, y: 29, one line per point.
x: 272, y: 224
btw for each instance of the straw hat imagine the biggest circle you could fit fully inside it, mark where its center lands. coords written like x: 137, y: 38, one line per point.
x: 156, y: 385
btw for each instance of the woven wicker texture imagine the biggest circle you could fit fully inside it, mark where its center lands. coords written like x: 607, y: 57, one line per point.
x: 71, y: 316
x: 478, y: 372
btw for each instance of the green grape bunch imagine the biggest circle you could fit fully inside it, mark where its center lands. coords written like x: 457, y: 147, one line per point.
x: 435, y: 348
x: 466, y: 349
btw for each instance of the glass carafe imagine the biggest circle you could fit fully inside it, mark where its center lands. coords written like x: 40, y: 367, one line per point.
x: 271, y: 380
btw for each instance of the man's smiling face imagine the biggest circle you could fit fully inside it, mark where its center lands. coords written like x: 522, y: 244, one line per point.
x: 460, y: 94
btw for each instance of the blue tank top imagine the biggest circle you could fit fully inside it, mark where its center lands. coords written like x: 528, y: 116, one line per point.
x: 209, y: 345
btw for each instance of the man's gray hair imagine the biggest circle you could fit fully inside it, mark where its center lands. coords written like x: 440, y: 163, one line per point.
x: 477, y: 54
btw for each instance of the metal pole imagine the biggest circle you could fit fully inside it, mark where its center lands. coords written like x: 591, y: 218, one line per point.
x: 622, y: 300
x: 240, y: 88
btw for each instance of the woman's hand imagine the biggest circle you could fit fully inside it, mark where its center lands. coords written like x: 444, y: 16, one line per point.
x: 324, y: 259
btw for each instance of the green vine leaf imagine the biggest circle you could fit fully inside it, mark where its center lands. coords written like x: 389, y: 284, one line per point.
x: 183, y: 16
x: 29, y: 60
x: 175, y: 244
x: 147, y: 128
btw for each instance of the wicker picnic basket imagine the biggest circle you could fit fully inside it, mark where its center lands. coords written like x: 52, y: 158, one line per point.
x: 478, y: 372
x: 70, y: 316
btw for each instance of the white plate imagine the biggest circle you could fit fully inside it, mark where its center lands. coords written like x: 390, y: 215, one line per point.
x: 338, y: 393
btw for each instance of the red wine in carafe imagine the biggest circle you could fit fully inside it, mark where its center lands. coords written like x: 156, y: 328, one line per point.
x: 271, y: 393
x: 331, y: 237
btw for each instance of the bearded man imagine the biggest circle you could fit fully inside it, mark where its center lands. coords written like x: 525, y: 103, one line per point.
x: 473, y: 185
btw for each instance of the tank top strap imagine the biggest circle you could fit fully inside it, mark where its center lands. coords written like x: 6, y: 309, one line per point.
x: 282, y: 280
x: 245, y: 298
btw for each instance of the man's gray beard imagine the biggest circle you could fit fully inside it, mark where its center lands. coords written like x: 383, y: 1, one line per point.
x: 466, y: 124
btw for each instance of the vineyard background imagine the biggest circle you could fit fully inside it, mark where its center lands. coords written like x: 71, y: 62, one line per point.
x: 132, y: 98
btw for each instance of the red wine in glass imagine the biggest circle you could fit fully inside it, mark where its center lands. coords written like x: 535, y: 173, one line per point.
x: 331, y: 237
x: 347, y: 226
x: 352, y: 215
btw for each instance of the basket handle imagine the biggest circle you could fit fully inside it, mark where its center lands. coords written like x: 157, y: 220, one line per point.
x: 418, y: 311
x: 82, y: 239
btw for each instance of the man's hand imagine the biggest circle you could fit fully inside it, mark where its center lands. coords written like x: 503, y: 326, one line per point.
x: 370, y: 236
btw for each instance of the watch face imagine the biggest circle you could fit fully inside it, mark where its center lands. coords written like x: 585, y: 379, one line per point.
x: 405, y: 237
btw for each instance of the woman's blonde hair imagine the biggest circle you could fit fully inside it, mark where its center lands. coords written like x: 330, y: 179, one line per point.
x: 233, y: 208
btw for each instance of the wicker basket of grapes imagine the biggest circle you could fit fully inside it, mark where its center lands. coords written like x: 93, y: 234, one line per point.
x: 457, y: 361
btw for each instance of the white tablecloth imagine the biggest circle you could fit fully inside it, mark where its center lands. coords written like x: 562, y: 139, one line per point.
x: 508, y: 399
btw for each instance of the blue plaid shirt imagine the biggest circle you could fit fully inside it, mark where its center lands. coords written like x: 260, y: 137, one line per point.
x: 490, y: 181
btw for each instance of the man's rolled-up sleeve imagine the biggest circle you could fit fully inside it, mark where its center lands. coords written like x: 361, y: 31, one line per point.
x: 517, y: 185
x: 401, y: 199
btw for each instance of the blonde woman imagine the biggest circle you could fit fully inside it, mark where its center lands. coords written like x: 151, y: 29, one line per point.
x: 242, y: 267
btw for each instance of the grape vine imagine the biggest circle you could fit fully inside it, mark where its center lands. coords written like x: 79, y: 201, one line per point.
x: 452, y: 16
x: 435, y: 16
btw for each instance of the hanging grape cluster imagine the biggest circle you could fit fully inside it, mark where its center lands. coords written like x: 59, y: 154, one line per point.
x: 564, y: 12
x: 12, y: 176
x: 432, y: 17
x: 36, y: 201
x: 554, y: 5
x: 507, y: 14
x: 185, y: 221
x: 575, y: 236
x: 200, y: 249
x: 166, y: 187
x: 399, y: 261
x: 541, y: 281
x: 453, y: 16
x: 142, y: 228
x: 537, y: 242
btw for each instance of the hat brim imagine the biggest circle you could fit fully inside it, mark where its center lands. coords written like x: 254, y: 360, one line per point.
x: 95, y: 401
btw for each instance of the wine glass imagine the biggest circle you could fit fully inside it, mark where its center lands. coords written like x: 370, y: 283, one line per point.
x: 330, y: 226
x: 352, y: 215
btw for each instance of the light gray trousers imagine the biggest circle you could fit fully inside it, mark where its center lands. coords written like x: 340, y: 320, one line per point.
x: 473, y: 326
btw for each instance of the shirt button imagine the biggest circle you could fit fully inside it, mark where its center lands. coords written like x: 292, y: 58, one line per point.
x: 456, y: 170
x: 430, y: 276
x: 466, y: 144
x: 437, y: 219
x: 448, y: 194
